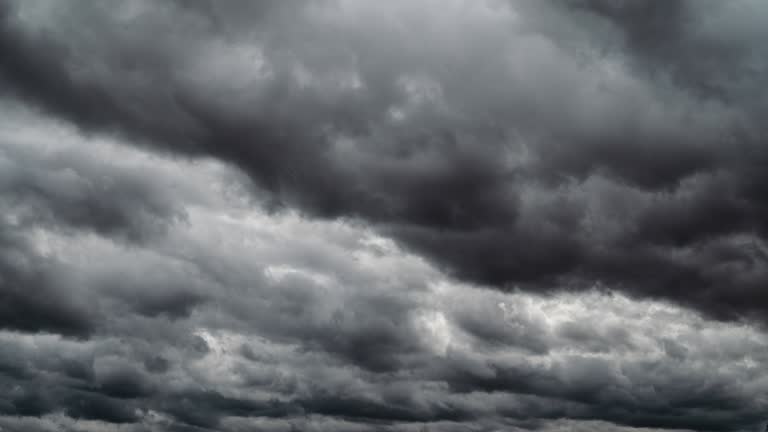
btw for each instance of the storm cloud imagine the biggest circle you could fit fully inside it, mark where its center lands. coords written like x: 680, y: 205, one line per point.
x: 383, y: 216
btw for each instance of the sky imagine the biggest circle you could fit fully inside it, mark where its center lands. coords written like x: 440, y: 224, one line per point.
x: 383, y: 216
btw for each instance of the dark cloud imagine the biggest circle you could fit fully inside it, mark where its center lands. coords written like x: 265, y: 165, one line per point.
x: 69, y: 191
x: 34, y: 297
x: 437, y: 148
x: 272, y: 216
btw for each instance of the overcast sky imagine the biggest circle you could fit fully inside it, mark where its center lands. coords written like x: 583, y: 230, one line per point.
x: 395, y: 216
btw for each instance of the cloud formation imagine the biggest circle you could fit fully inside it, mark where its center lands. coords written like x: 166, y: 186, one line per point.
x: 383, y: 216
x: 497, y: 150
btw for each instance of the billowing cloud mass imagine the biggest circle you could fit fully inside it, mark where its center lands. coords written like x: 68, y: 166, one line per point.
x: 358, y: 215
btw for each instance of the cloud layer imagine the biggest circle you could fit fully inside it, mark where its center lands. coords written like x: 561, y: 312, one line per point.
x: 395, y: 216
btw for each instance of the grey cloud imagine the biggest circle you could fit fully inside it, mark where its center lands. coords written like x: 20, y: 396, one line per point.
x: 68, y: 186
x: 333, y: 110
x: 304, y: 335
x: 33, y: 295
x: 286, y: 215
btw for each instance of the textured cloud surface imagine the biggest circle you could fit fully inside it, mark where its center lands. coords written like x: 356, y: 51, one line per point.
x: 383, y: 216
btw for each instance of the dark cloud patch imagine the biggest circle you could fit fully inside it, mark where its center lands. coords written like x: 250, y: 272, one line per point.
x: 205, y: 408
x: 122, y: 381
x: 498, y: 257
x: 35, y: 401
x: 360, y: 409
x: 156, y: 364
x: 32, y: 402
x: 33, y: 293
x: 93, y: 406
x: 647, y: 26
x: 38, y: 77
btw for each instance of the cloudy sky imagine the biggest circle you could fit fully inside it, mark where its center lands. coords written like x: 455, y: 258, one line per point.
x: 396, y: 216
